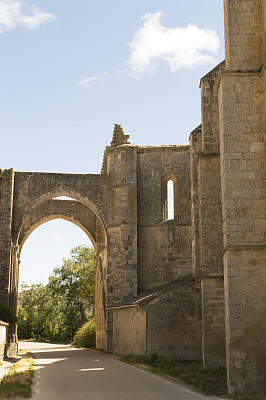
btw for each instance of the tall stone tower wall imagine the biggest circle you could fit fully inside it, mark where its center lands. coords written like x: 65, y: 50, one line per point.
x: 210, y: 223
x: 244, y: 35
x: 242, y: 139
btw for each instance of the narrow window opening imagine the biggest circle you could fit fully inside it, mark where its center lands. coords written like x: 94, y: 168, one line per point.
x: 64, y: 198
x: 169, y: 197
x: 170, y: 200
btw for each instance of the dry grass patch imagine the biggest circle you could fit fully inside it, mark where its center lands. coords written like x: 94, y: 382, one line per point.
x: 17, y: 383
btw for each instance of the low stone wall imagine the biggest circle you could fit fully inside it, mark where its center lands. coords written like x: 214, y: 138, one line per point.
x: 3, y: 337
x: 129, y: 324
x: 165, y: 321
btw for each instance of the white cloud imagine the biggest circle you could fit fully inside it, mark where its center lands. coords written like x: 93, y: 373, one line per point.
x: 179, y: 47
x: 91, y: 81
x: 12, y: 16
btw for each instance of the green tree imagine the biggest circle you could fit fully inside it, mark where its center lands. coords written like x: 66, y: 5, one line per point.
x: 59, y: 309
x: 35, y: 309
x: 73, y: 284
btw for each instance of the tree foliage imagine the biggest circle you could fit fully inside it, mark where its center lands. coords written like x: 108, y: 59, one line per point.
x: 56, y: 311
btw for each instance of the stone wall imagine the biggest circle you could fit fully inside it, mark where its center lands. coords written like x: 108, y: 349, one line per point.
x: 164, y: 246
x: 129, y: 327
x: 174, y: 323
x: 3, y: 338
x: 243, y: 187
x: 195, y: 149
x: 242, y: 134
x: 207, y: 238
x: 122, y: 223
x: 244, y: 35
x: 100, y: 299
x: 6, y: 208
x: 72, y: 211
x: 161, y: 321
x: 211, y: 247
x: 210, y: 111
x: 34, y: 188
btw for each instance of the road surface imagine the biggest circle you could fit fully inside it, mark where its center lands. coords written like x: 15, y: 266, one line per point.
x: 66, y: 373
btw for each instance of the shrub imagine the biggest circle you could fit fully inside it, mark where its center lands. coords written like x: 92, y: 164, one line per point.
x: 86, y: 335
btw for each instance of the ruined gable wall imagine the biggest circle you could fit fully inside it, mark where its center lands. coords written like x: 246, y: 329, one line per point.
x: 164, y: 247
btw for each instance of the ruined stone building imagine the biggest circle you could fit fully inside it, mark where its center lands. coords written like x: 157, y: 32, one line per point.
x: 190, y: 285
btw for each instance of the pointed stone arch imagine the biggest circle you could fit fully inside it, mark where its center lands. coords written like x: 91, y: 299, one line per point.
x: 30, y: 202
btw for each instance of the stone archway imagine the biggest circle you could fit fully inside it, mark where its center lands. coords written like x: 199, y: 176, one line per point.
x: 32, y: 203
x: 82, y: 216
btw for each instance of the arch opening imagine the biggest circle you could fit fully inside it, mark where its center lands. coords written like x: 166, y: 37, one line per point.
x: 62, y: 257
x: 75, y: 214
x: 45, y: 247
x: 25, y: 233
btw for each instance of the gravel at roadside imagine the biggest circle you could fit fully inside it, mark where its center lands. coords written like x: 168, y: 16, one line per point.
x: 6, y: 365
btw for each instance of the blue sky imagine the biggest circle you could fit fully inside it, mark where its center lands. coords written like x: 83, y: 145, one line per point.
x: 70, y: 70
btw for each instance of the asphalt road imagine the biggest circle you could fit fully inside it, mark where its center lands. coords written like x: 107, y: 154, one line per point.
x: 65, y: 373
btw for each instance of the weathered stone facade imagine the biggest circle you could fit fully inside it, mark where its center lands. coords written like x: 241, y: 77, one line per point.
x: 242, y: 107
x: 190, y: 286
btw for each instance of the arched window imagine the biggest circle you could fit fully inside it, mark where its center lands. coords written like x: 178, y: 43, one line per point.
x: 169, y: 197
x: 170, y: 200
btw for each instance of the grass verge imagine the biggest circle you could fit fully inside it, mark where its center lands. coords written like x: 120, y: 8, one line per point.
x: 17, y: 383
x: 212, y: 382
x: 258, y: 396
